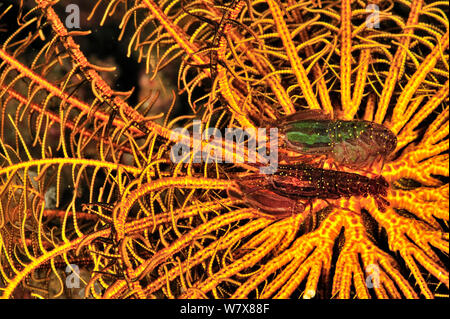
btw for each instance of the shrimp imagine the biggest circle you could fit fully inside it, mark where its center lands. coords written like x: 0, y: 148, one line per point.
x: 354, y: 143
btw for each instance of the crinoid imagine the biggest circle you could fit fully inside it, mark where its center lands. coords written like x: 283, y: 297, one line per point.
x: 92, y: 198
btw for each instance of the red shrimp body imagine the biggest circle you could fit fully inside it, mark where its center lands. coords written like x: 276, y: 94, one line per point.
x: 256, y: 190
x: 290, y: 189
